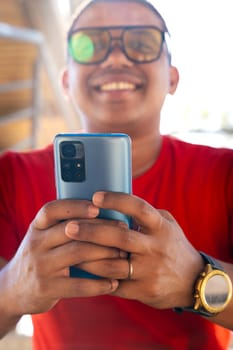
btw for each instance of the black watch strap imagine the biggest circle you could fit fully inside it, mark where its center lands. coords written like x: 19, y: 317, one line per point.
x: 209, y: 260
x: 216, y: 266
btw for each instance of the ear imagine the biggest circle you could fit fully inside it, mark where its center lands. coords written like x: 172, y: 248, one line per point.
x: 65, y: 81
x: 174, y: 79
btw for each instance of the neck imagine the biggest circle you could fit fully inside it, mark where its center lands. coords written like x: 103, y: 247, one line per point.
x: 146, y: 144
x: 145, y: 151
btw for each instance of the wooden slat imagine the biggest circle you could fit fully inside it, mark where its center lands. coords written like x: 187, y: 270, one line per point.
x: 10, y: 102
x: 18, y: 115
x: 16, y: 63
x: 12, y: 13
x: 14, y: 133
x: 15, y: 60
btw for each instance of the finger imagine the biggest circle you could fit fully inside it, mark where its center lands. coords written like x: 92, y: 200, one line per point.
x: 121, y: 269
x: 83, y: 287
x: 74, y: 253
x: 143, y: 213
x: 56, y: 235
x: 127, y: 289
x: 118, y: 236
x: 71, y: 226
x: 63, y: 209
x: 51, y: 237
x: 108, y: 268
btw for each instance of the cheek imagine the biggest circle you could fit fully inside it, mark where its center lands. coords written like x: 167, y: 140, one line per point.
x: 157, y: 90
x: 159, y: 83
x: 77, y: 81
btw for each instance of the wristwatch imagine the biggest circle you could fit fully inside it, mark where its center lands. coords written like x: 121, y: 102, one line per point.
x: 212, y: 291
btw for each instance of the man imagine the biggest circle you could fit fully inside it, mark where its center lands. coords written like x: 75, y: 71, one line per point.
x: 118, y: 75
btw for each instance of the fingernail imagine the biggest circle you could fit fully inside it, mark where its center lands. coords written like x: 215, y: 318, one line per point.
x: 123, y: 254
x: 123, y: 224
x: 98, y: 198
x: 114, y: 285
x: 93, y: 211
x: 71, y: 228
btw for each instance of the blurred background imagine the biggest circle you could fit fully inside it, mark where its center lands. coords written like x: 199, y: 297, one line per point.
x: 33, y: 107
x: 32, y: 56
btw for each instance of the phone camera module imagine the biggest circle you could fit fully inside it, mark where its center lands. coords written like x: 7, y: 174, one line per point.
x: 68, y: 150
x: 72, y: 161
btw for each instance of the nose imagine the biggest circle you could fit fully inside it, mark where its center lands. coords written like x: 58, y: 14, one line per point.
x: 116, y: 57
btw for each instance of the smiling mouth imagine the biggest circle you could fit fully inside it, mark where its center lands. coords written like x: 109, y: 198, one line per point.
x: 117, y: 86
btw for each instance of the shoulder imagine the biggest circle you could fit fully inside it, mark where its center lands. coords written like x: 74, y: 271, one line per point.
x: 28, y: 158
x: 18, y: 167
x: 207, y: 168
x: 27, y: 175
x: 200, y: 161
x: 200, y: 153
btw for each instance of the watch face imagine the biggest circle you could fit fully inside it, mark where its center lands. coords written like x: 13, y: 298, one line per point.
x: 216, y: 291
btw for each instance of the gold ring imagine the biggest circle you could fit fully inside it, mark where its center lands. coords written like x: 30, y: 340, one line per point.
x: 130, y: 274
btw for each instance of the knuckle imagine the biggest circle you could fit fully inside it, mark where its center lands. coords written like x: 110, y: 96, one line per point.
x: 87, y: 228
x: 155, y: 290
x: 115, y: 268
x: 144, y: 208
x: 44, y: 211
x: 31, y: 240
x: 128, y: 239
x: 33, y: 243
x: 166, y: 214
x: 43, y: 216
x: 42, y: 287
x: 78, y: 252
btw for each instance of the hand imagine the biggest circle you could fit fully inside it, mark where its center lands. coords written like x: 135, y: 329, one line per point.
x: 38, y: 275
x: 165, y: 265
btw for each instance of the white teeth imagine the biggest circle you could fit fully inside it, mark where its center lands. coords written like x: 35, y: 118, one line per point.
x: 121, y: 85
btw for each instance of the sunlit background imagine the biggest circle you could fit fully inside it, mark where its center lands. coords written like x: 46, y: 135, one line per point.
x: 201, y: 33
x: 201, y: 40
x: 202, y: 108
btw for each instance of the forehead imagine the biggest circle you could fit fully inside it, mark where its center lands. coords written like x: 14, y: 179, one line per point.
x: 117, y: 14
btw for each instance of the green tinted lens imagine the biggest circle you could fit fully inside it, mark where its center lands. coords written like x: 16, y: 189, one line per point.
x: 143, y: 44
x: 89, y: 46
x: 81, y: 47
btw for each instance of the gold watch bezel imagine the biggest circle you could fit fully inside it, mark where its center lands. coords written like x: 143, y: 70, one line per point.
x: 200, y: 288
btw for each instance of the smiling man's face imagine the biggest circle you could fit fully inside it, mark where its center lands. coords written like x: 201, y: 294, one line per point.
x: 118, y: 95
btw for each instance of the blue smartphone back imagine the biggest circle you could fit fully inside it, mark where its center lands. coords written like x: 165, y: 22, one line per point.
x: 86, y: 163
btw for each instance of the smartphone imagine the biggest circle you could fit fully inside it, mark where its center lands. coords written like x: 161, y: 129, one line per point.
x: 86, y: 163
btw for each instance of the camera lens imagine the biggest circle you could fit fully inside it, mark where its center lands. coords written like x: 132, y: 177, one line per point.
x: 79, y: 150
x: 67, y: 176
x: 72, y: 160
x: 68, y: 150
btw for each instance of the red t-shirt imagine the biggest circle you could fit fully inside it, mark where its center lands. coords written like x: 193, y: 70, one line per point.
x: 195, y: 183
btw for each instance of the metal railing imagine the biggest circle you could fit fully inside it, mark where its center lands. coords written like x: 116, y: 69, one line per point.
x: 43, y: 59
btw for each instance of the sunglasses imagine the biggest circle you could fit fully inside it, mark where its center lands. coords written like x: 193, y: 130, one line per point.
x: 140, y: 44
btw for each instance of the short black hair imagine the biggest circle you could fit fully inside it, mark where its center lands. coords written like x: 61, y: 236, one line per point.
x: 83, y: 4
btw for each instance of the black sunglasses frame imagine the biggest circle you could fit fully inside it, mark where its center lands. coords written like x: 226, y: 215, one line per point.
x: 164, y: 35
